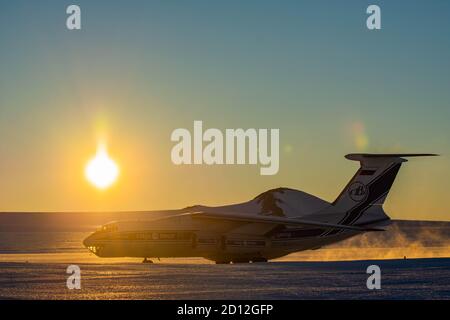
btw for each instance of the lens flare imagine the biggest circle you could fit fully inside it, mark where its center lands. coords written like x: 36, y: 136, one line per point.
x: 101, y: 170
x: 361, y: 140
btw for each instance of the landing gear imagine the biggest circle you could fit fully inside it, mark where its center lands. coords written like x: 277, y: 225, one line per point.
x: 241, y: 261
x: 254, y: 260
x: 147, y: 261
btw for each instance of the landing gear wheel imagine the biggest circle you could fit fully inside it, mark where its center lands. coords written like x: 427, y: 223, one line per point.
x: 259, y: 260
x: 222, y: 262
x: 241, y: 261
x: 147, y: 261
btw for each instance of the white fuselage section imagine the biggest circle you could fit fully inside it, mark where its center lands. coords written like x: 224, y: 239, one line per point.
x: 221, y: 241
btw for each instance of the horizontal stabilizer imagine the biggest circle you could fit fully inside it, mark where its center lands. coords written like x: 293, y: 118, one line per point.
x: 360, y: 156
x: 361, y: 200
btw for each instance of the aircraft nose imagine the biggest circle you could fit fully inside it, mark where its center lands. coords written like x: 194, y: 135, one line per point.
x: 88, y: 241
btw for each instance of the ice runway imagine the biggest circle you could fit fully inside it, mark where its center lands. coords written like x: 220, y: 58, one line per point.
x: 401, y: 279
x: 35, y: 250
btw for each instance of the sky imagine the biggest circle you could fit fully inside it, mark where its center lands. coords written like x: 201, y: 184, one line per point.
x: 137, y: 70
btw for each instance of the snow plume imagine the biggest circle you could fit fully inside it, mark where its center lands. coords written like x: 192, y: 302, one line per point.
x: 403, y: 239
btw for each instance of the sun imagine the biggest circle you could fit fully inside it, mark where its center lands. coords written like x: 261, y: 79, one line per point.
x: 101, y: 170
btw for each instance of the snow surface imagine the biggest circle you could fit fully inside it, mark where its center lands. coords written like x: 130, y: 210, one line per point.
x: 401, y: 279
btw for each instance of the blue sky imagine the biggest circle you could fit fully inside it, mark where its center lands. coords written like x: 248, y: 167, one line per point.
x: 144, y: 68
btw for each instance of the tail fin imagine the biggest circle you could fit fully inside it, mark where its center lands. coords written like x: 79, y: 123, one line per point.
x: 360, y: 203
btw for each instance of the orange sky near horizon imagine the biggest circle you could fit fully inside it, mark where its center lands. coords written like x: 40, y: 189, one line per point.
x: 328, y: 85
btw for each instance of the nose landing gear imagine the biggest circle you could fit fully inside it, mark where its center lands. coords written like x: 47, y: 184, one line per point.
x: 147, y: 261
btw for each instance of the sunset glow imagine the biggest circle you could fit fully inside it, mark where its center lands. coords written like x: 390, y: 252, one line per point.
x: 101, y: 170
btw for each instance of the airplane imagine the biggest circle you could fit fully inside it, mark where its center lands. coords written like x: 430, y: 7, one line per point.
x: 274, y: 224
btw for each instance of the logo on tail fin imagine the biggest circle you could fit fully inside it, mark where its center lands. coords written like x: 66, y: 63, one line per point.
x: 357, y: 191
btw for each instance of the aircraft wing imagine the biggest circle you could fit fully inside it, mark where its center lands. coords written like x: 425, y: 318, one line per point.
x: 272, y: 220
